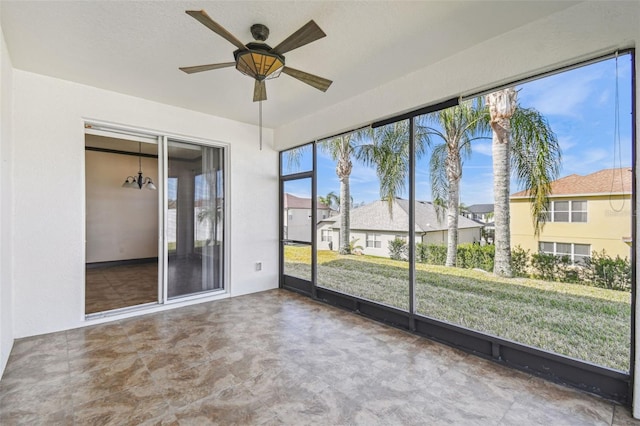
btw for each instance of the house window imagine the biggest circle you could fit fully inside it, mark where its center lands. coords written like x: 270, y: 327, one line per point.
x: 325, y: 235
x: 567, y: 211
x: 374, y: 240
x: 578, y: 253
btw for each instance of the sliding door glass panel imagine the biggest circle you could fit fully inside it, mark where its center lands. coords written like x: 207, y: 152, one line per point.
x: 121, y: 222
x: 297, y: 228
x: 363, y: 214
x: 571, y: 288
x: 195, y: 219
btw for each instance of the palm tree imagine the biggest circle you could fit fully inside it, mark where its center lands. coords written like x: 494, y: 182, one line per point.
x: 341, y: 149
x: 460, y: 126
x: 331, y: 200
x: 524, y: 141
x: 387, y: 150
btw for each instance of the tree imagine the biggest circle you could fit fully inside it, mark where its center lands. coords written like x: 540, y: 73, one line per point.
x: 522, y: 141
x: 341, y: 149
x: 331, y: 200
x: 458, y: 126
x: 386, y: 149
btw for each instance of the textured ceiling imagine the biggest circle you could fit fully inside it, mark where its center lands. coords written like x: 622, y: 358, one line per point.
x: 136, y: 47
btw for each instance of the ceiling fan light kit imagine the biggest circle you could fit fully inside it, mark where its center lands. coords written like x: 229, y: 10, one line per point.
x: 259, y: 60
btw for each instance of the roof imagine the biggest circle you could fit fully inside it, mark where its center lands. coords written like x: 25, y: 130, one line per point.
x: 607, y: 181
x: 375, y: 216
x: 480, y: 208
x: 293, y: 202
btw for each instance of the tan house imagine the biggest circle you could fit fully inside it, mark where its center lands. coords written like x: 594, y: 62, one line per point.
x: 586, y: 214
x: 373, y: 227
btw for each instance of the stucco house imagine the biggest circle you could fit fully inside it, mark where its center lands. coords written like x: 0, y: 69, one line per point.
x: 297, y: 217
x: 586, y: 214
x: 373, y: 226
x: 480, y: 212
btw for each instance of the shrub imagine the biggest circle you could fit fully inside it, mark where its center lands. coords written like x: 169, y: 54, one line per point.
x: 606, y: 272
x: 436, y: 254
x: 475, y: 256
x: 398, y: 249
x: 520, y: 261
x: 544, y: 266
x: 421, y: 253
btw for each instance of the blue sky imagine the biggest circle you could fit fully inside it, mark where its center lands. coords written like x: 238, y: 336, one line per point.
x: 580, y: 107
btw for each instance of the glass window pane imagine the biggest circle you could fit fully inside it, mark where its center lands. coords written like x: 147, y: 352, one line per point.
x: 561, y: 206
x: 579, y: 206
x: 297, y: 160
x: 578, y: 216
x: 297, y: 228
x: 297, y: 210
x: 563, y: 248
x: 196, y: 218
x: 546, y: 247
x: 560, y: 216
x: 358, y: 260
x: 582, y: 249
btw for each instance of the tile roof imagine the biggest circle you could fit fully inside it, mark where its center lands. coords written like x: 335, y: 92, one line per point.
x: 293, y: 202
x: 607, y: 181
x: 375, y: 216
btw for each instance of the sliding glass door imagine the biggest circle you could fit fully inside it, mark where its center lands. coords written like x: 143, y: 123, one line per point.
x: 195, y: 218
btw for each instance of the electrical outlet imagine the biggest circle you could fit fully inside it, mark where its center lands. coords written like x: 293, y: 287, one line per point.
x: 258, y: 266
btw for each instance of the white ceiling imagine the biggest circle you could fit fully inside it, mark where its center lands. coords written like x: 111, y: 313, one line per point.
x: 136, y: 47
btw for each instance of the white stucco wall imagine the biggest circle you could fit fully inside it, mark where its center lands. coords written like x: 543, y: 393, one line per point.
x: 49, y: 193
x: 6, y: 202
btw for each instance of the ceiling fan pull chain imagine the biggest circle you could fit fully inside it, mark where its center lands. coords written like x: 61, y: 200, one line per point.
x: 260, y: 125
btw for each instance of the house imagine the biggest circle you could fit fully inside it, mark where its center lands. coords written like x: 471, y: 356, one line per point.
x: 297, y: 217
x: 373, y: 226
x: 480, y: 212
x: 74, y: 70
x: 586, y: 214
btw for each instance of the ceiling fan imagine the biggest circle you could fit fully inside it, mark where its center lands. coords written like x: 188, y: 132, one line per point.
x: 259, y: 60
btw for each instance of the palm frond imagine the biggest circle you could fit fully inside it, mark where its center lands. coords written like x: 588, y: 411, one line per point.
x: 535, y: 159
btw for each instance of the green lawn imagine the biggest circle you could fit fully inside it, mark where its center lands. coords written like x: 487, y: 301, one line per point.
x: 587, y: 323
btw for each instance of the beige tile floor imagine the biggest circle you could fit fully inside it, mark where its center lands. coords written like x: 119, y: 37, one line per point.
x: 267, y: 359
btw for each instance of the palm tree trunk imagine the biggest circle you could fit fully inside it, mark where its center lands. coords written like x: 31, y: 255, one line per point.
x: 501, y: 176
x: 502, y: 105
x: 345, y: 210
x: 454, y: 167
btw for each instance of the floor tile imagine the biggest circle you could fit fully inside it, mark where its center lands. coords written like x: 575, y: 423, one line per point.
x: 272, y: 358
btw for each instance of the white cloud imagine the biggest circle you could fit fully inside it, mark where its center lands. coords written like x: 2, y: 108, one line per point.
x: 484, y: 148
x: 561, y: 94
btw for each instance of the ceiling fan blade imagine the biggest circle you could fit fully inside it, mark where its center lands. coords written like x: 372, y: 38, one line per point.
x: 312, y: 80
x: 205, y: 20
x: 200, y: 68
x: 259, y: 91
x: 305, y: 35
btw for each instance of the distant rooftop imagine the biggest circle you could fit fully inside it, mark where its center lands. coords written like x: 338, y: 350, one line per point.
x: 607, y: 181
x: 480, y: 208
x: 375, y: 216
x: 293, y: 202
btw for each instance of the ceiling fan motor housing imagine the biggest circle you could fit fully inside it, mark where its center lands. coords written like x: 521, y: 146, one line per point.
x: 260, y: 32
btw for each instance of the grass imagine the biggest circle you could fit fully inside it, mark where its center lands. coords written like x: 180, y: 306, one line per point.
x: 587, y: 323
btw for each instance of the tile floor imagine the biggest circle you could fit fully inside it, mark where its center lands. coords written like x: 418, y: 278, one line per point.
x: 113, y: 287
x: 268, y: 359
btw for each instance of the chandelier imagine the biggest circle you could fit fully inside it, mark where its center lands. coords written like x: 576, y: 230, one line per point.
x: 139, y: 181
